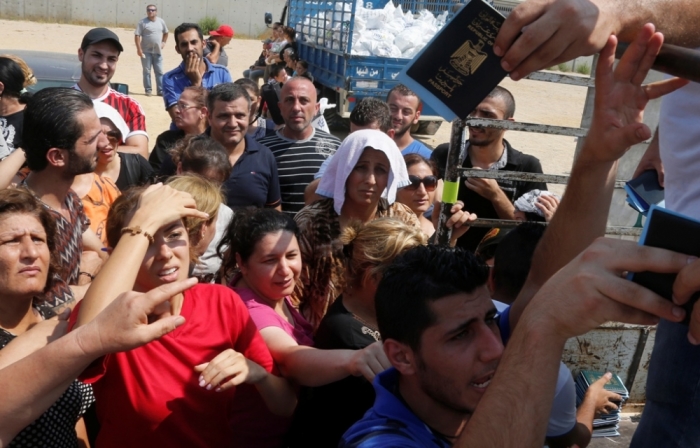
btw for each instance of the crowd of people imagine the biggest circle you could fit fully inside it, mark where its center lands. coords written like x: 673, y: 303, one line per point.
x: 253, y: 280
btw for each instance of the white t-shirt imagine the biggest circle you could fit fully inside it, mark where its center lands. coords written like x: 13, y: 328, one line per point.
x: 562, y: 418
x: 679, y: 140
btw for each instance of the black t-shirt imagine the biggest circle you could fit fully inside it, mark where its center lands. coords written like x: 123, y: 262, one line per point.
x: 482, y: 207
x: 164, y: 143
x: 11, y: 127
x: 325, y: 413
x: 134, y: 171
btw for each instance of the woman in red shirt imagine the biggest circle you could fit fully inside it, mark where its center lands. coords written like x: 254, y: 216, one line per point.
x: 178, y: 390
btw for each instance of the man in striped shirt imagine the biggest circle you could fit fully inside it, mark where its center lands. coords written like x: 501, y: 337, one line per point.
x: 299, y: 148
x: 98, y: 54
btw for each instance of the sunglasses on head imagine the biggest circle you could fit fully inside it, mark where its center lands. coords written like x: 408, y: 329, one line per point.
x: 429, y: 182
x: 151, y: 10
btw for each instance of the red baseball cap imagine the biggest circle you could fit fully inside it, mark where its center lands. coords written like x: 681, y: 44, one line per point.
x: 224, y: 30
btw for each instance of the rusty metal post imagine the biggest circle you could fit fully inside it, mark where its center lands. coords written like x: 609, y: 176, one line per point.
x: 455, y: 155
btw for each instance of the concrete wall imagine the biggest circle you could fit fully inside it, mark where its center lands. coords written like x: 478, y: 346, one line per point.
x: 245, y: 16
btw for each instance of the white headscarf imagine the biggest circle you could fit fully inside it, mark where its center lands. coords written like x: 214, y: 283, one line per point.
x: 106, y: 111
x: 344, y: 160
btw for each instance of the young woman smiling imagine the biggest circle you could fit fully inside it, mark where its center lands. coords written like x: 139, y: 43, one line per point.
x: 264, y: 253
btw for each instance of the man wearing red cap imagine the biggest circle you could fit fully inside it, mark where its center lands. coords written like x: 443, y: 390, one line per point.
x: 214, y: 48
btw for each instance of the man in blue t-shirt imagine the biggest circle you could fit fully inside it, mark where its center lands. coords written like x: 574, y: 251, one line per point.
x: 405, y: 109
x: 195, y: 69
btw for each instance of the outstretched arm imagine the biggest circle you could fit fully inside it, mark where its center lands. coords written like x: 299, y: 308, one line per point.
x: 555, y: 31
x: 617, y: 124
x: 28, y: 391
x: 584, y: 294
x: 312, y: 367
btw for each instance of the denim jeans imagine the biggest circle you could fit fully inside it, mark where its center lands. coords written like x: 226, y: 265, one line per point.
x: 671, y: 417
x: 255, y: 75
x: 155, y: 60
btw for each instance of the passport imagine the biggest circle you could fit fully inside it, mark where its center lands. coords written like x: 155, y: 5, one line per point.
x: 644, y: 191
x: 673, y: 231
x: 457, y: 69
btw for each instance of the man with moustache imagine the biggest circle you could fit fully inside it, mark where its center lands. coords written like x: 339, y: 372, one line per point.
x: 61, y: 136
x: 99, y: 53
x: 299, y: 148
x: 253, y: 180
x: 405, y: 109
x: 195, y: 69
x: 488, y: 150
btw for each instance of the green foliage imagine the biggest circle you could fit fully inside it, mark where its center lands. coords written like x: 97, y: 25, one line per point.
x: 563, y: 67
x: 583, y: 69
x: 208, y: 24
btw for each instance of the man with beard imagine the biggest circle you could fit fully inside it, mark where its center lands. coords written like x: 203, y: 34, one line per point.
x: 488, y: 150
x: 195, y: 69
x: 253, y: 180
x: 61, y: 135
x: 405, y: 109
x: 299, y: 148
x: 98, y: 55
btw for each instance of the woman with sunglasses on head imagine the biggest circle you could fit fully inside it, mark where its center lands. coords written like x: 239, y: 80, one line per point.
x: 419, y: 196
x: 190, y: 118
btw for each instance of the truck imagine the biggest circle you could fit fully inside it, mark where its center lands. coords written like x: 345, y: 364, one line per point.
x: 325, y: 31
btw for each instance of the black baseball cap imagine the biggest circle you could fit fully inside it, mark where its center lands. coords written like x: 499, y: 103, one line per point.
x: 97, y: 35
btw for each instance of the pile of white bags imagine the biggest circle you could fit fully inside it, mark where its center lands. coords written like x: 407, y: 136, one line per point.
x: 386, y: 32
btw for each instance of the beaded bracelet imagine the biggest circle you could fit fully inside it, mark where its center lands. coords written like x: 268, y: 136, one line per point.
x: 136, y: 230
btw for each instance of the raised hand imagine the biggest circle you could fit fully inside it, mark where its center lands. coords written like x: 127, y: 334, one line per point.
x: 160, y: 205
x: 620, y: 97
x: 553, y: 31
x: 592, y: 289
x: 124, y: 324
x: 192, y: 64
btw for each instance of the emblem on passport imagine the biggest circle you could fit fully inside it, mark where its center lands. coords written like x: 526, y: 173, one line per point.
x: 458, y: 68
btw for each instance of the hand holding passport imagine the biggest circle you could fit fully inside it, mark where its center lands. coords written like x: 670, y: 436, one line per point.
x: 672, y: 231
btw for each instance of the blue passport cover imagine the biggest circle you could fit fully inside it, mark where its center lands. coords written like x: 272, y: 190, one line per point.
x: 668, y: 230
x: 457, y: 68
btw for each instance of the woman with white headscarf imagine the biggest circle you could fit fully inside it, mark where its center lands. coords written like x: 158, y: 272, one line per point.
x: 360, y: 183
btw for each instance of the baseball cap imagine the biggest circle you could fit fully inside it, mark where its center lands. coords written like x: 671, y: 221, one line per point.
x: 97, y: 35
x: 223, y: 30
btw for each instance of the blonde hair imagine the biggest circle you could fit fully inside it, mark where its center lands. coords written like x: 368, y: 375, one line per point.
x: 371, y: 247
x: 207, y: 197
x: 29, y: 78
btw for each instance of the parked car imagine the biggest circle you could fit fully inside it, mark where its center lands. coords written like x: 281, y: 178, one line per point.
x: 55, y: 69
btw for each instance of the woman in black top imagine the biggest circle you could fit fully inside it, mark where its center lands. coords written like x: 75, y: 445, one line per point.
x: 13, y: 98
x: 27, y: 261
x: 325, y: 413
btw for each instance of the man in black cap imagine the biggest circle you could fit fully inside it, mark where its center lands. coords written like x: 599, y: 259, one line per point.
x: 98, y: 54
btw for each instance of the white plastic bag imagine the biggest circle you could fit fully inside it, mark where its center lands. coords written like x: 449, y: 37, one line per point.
x: 319, y: 121
x: 408, y: 39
